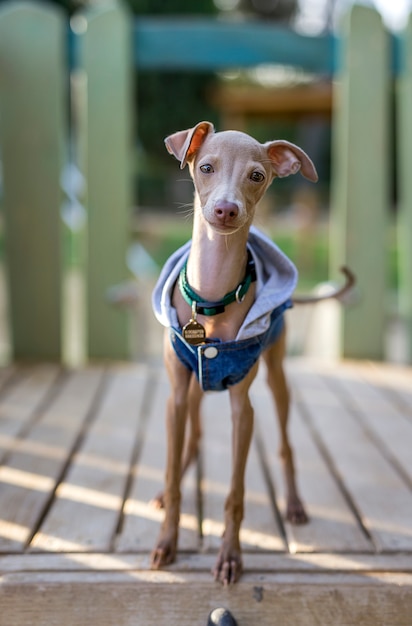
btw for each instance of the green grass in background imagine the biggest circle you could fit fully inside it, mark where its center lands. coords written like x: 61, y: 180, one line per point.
x: 309, y: 254
x: 161, y: 236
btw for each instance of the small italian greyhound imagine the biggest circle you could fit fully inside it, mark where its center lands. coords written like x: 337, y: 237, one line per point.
x: 226, y: 289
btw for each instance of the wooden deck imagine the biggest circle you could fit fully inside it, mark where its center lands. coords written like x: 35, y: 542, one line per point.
x: 82, y: 453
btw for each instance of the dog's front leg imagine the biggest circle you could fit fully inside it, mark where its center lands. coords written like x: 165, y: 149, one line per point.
x: 165, y: 550
x: 229, y: 563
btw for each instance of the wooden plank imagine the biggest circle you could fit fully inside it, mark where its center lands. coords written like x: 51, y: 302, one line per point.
x: 163, y: 44
x: 404, y: 181
x: 273, y: 101
x: 142, y: 519
x: 32, y: 119
x: 105, y: 157
x: 6, y: 373
x: 361, y: 174
x: 332, y: 525
x: 92, y: 491
x: 381, y: 497
x: 29, y: 476
x: 260, y: 529
x: 21, y: 401
x: 257, y: 562
x: 386, y: 422
x: 397, y: 381
x: 117, y: 598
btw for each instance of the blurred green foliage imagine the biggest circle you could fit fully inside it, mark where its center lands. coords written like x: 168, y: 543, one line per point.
x: 312, y: 264
x: 169, y: 101
x: 163, y: 241
x: 164, y: 101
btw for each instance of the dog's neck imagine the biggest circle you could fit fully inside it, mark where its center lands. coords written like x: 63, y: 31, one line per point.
x: 217, y: 262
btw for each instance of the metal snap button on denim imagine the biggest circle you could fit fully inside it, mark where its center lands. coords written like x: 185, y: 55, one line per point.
x: 211, y: 352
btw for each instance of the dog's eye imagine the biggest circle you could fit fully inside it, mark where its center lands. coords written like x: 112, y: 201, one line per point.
x: 206, y: 169
x: 257, y: 177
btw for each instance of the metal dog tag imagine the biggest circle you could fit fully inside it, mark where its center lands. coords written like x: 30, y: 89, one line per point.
x: 194, y: 333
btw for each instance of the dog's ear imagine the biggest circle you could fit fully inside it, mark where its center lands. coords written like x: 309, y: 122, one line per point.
x: 288, y: 159
x: 185, y: 143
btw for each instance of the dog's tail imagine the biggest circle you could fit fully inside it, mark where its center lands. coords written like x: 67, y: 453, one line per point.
x: 338, y: 294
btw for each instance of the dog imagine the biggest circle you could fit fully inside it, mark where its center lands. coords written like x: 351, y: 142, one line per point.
x: 222, y: 298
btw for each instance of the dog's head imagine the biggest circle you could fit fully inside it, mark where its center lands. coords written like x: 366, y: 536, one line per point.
x: 231, y: 171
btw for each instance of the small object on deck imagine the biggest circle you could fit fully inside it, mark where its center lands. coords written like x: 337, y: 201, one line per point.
x: 221, y: 617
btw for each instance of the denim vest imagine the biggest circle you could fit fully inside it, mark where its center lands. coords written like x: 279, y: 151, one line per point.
x: 219, y: 364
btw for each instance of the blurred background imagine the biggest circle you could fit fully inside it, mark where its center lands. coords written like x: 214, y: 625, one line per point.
x: 269, y: 101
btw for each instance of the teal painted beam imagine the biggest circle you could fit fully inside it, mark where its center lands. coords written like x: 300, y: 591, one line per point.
x: 164, y: 44
x: 210, y: 44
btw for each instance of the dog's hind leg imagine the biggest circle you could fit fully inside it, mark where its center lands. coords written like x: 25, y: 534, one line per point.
x: 273, y: 356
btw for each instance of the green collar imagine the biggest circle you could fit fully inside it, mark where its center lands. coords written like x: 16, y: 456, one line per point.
x: 213, y: 308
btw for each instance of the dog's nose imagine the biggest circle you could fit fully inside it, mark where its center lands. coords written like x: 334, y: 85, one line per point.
x: 226, y: 211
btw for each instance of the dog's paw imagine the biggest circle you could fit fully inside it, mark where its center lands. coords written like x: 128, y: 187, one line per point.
x: 228, y: 566
x: 295, y: 512
x: 158, y: 502
x: 164, y: 553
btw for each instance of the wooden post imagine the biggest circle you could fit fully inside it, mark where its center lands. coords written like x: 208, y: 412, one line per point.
x: 104, y: 55
x: 404, y: 128
x: 32, y: 118
x: 360, y: 184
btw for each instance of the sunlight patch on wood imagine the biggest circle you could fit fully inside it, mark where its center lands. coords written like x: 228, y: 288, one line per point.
x: 43, y: 541
x: 26, y: 480
x: 151, y: 473
x: 91, y: 497
x: 100, y: 462
x: 258, y: 539
x: 149, y: 511
x: 248, y: 537
x: 13, y: 532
